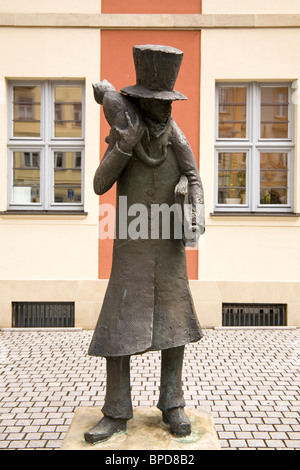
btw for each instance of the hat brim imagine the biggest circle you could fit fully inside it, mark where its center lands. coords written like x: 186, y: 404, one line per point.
x: 137, y: 91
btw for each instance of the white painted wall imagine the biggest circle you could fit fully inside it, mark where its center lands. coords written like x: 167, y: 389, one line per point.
x: 245, y: 248
x: 40, y: 246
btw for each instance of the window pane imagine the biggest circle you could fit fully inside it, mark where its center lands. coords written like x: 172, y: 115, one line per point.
x: 68, y: 111
x: 67, y: 177
x: 274, y: 112
x: 26, y: 177
x: 232, y: 178
x: 26, y: 111
x: 273, y: 178
x: 232, y: 112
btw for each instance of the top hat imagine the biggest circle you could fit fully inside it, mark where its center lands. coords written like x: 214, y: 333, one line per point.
x: 156, y: 68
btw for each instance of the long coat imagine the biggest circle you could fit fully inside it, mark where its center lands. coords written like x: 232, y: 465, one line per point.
x: 148, y: 304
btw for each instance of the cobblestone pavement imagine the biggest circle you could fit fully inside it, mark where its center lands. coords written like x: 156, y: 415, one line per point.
x: 248, y: 379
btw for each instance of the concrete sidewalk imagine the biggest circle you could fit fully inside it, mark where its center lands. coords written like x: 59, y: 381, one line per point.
x: 248, y: 379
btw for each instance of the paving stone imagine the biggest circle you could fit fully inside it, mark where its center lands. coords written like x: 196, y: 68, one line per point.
x: 36, y: 444
x: 275, y: 443
x: 237, y: 443
x: 256, y: 443
x: 292, y: 444
x: 244, y: 378
x: 17, y: 444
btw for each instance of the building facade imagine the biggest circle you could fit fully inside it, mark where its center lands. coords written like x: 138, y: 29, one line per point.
x: 240, y: 73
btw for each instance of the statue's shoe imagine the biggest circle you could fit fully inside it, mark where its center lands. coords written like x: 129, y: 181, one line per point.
x: 104, y: 429
x: 178, y: 421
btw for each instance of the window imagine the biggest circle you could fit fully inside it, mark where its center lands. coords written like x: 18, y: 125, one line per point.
x: 254, y: 147
x: 46, y: 145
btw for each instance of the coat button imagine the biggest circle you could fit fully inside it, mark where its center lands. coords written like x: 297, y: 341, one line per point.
x: 150, y: 192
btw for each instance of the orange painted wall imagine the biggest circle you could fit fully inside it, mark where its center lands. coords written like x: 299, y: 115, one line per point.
x: 118, y: 68
x: 151, y: 6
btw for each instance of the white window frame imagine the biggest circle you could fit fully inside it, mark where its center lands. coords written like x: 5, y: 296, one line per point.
x: 275, y: 207
x: 248, y: 112
x: 46, y: 144
x: 25, y: 148
x: 237, y: 149
x: 253, y: 144
x: 60, y: 148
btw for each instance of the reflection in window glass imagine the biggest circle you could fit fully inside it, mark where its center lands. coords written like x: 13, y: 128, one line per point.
x: 67, y: 177
x: 26, y: 177
x: 68, y: 111
x: 232, y: 112
x: 26, y: 111
x: 232, y: 178
x: 273, y: 178
x: 274, y: 118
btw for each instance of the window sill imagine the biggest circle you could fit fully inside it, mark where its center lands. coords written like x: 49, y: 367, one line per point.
x: 254, y: 214
x: 42, y: 214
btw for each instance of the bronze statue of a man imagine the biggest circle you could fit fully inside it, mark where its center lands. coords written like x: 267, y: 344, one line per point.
x: 148, y: 304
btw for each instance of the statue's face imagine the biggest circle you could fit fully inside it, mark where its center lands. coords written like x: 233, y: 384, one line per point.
x: 158, y: 110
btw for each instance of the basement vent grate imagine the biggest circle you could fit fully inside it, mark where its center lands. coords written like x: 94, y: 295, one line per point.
x: 42, y: 314
x: 254, y: 314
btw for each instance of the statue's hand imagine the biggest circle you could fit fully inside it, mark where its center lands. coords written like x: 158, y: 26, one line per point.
x: 127, y: 138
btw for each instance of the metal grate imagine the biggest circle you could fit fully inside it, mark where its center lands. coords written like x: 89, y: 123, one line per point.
x: 42, y: 314
x: 254, y: 314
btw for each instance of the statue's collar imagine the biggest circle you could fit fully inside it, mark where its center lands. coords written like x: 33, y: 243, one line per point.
x: 156, y: 129
x: 152, y: 148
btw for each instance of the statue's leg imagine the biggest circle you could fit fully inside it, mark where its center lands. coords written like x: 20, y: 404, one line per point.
x: 171, y: 401
x: 117, y: 408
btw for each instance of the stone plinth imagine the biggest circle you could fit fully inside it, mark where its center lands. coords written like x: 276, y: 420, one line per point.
x: 146, y: 431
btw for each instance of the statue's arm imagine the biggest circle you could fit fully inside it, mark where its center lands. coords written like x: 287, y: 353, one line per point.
x: 189, y: 171
x: 187, y: 164
x: 121, y: 144
x: 110, y: 168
